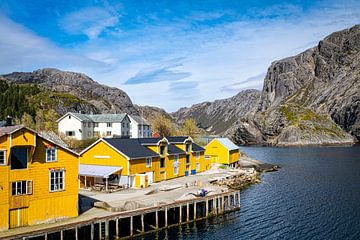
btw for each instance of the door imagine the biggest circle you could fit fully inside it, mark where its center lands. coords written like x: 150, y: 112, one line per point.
x: 18, y: 217
x: 150, y: 176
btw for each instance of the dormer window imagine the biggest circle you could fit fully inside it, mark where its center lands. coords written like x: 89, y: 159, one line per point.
x: 162, y: 150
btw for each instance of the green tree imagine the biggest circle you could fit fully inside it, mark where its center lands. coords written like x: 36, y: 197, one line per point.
x: 189, y: 127
x: 27, y: 121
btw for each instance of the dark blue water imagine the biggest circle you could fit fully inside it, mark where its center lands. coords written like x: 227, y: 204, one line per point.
x: 315, y: 195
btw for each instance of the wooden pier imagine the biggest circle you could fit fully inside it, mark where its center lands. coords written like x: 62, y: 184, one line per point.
x: 140, y: 221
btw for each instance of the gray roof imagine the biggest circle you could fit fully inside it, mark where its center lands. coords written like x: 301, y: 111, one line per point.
x: 9, y: 129
x: 51, y: 136
x: 99, y: 117
x: 227, y: 143
x: 139, y: 120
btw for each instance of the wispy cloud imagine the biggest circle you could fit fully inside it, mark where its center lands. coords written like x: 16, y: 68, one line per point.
x: 167, y: 71
x: 251, y: 82
x: 184, y: 89
x: 91, y: 21
x: 23, y: 50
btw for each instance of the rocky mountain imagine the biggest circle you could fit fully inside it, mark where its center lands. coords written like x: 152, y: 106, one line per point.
x: 218, y: 116
x: 311, y: 98
x: 74, y: 92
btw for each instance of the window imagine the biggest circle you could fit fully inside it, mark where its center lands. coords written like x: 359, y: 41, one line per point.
x: 96, y: 124
x: 108, y: 124
x: 207, y: 157
x: 19, y: 158
x: 89, y: 124
x: 108, y: 133
x: 57, y: 180
x: 127, y: 133
x: 70, y: 133
x: 162, y: 150
x: 187, y: 159
x: 148, y: 162
x: 198, y: 155
x: 69, y: 117
x: 123, y: 125
x: 162, y: 162
x: 89, y: 134
x: 176, y: 164
x: 188, y: 147
x: 21, y: 188
x: 97, y: 134
x: 197, y: 166
x: 2, y: 157
x: 51, y: 155
x: 127, y: 124
x: 84, y: 124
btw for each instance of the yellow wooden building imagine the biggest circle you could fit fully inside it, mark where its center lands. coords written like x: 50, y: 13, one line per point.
x: 38, y: 178
x: 223, y: 151
x: 139, y: 162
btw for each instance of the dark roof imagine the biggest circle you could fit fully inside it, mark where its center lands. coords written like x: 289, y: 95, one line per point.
x: 175, y: 150
x: 179, y: 139
x: 197, y: 148
x: 149, y: 141
x: 130, y: 147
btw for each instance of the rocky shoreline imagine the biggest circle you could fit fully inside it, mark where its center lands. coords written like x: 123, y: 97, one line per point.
x: 252, y: 170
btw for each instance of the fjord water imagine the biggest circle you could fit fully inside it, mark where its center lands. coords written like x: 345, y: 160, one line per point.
x: 315, y: 195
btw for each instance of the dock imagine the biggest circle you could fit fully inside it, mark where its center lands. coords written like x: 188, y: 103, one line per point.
x: 133, y: 223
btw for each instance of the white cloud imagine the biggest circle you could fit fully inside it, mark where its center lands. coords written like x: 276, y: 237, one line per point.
x: 22, y: 50
x: 91, y: 21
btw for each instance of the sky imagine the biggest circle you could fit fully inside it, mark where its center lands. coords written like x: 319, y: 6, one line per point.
x: 169, y: 54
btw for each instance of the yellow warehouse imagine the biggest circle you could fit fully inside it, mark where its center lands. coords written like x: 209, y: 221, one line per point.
x: 38, y: 178
x: 139, y: 162
x: 223, y: 151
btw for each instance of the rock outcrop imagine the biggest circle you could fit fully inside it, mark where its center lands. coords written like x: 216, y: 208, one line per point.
x: 218, y: 116
x: 93, y: 96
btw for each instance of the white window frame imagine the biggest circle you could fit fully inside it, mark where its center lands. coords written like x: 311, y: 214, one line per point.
x: 55, y: 155
x: 109, y: 124
x: 57, y: 188
x: 197, y: 166
x: 148, y: 161
x: 176, y: 161
x: 18, y: 186
x: 3, y: 162
x: 198, y: 155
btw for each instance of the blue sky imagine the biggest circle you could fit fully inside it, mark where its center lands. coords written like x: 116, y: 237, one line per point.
x: 168, y: 54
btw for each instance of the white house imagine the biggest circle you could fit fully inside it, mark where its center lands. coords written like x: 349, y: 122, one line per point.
x: 139, y: 127
x: 84, y: 126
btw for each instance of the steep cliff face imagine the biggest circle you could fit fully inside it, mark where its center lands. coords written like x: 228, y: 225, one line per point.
x: 313, y: 97
x: 218, y: 116
x: 92, y: 95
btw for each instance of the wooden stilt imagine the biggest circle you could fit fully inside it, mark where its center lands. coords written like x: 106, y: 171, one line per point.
x: 180, y: 214
x: 117, y: 228
x: 46, y: 236
x: 228, y: 202
x: 107, y: 230
x: 142, y: 223
x: 157, y: 219
x: 61, y: 235
x: 195, y: 211
x: 187, y: 212
x: 76, y: 234
x: 131, y: 226
x: 166, y: 217
x: 100, y: 232
x: 207, y: 208
x: 92, y: 232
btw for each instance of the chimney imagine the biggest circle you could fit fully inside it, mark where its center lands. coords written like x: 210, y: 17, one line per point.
x: 8, y: 121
